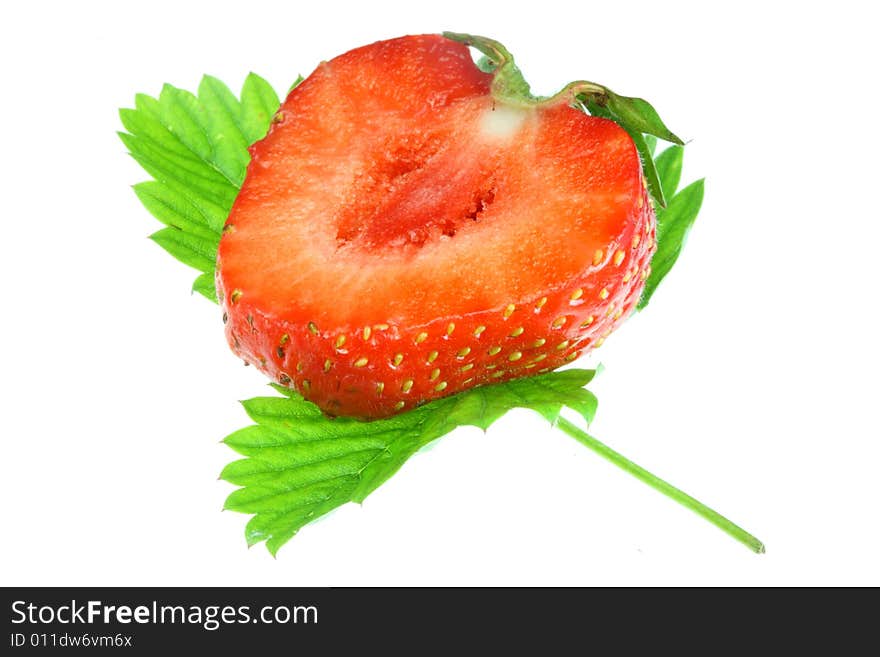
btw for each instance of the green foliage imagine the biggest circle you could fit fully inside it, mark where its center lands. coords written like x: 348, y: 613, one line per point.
x: 300, y: 464
x: 195, y: 147
x: 675, y: 220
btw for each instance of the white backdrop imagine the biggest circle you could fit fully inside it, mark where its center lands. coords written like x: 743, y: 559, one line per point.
x: 750, y: 381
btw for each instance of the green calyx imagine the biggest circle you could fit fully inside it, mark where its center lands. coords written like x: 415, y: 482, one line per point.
x: 634, y: 115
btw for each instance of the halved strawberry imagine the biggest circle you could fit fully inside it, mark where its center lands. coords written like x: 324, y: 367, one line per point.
x: 405, y: 232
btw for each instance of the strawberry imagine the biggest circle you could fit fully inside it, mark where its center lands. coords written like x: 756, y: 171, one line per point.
x: 409, y: 229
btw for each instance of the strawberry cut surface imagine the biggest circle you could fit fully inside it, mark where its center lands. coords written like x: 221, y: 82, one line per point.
x: 402, y: 235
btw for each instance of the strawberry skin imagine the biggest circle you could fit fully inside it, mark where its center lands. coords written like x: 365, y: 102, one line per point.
x: 402, y: 236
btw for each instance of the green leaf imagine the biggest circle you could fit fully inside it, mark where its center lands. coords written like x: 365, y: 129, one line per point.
x: 196, y: 149
x: 197, y: 252
x: 674, y: 220
x: 652, y: 177
x: 668, y: 165
x: 185, y: 117
x: 638, y: 115
x: 259, y: 102
x: 174, y: 209
x: 641, y: 122
x: 204, y: 285
x: 183, y: 172
x: 673, y: 225
x: 225, y: 129
x: 300, y: 464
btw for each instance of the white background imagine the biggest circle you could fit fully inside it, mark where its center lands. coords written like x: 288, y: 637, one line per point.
x: 751, y: 381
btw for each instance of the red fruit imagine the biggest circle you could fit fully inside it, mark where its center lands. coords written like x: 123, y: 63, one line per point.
x: 402, y: 235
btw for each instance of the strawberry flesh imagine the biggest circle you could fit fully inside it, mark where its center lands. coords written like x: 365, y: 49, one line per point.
x: 401, y: 235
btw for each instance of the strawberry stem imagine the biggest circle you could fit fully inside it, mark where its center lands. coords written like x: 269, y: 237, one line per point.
x: 662, y: 486
x: 508, y: 84
x: 510, y: 87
